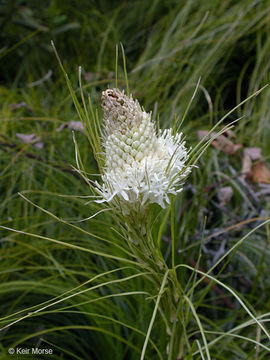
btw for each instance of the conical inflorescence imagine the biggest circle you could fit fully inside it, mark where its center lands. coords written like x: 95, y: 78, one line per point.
x: 141, y: 166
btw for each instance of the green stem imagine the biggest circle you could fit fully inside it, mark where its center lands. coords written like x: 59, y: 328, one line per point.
x: 172, y: 234
x: 154, y: 314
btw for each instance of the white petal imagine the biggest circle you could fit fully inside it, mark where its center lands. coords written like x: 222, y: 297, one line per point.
x: 125, y: 195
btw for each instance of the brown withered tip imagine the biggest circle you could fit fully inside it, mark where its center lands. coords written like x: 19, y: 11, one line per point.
x: 113, y: 96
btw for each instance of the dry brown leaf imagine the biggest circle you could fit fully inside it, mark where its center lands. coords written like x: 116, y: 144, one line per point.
x: 73, y: 125
x: 27, y: 138
x: 77, y: 126
x: 221, y: 142
x: 254, y: 153
x: 230, y: 133
x: 260, y: 173
x: 224, y: 144
x: 61, y: 127
x: 30, y: 139
x: 225, y: 194
x: 201, y: 134
x: 246, y: 165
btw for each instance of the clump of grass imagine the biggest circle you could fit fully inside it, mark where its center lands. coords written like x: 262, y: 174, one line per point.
x: 82, y: 290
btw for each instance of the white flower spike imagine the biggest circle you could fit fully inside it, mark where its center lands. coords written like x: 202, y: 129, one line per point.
x: 141, y: 167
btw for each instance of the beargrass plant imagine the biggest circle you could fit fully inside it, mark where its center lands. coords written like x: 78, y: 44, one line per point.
x: 78, y: 287
x: 141, y: 171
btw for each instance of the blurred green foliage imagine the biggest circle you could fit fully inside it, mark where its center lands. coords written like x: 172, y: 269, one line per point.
x: 169, y: 45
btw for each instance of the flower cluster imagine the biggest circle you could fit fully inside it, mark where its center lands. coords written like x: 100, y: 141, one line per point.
x: 141, y: 166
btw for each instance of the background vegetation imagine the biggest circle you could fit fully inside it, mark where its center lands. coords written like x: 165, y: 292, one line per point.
x: 169, y: 45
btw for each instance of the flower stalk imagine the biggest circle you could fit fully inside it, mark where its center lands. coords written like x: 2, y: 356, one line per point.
x: 143, y: 171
